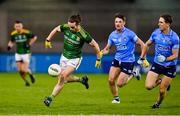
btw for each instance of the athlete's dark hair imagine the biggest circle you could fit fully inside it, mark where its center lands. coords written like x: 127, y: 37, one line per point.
x: 118, y: 15
x: 167, y: 18
x: 75, y: 18
x: 17, y: 21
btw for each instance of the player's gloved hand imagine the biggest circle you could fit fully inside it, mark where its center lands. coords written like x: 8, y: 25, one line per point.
x: 143, y: 62
x: 140, y: 61
x: 48, y: 44
x: 101, y: 54
x: 146, y: 63
x: 8, y: 48
x: 161, y: 58
x: 27, y: 46
x: 98, y: 63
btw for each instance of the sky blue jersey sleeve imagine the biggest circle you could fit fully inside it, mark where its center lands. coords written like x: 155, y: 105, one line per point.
x: 176, y: 42
x: 152, y: 37
x: 110, y: 42
x: 134, y: 36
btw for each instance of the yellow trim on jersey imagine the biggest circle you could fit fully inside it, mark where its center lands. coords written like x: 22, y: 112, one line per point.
x: 82, y: 33
x: 66, y: 25
x: 22, y: 31
x: 25, y: 31
x: 13, y: 32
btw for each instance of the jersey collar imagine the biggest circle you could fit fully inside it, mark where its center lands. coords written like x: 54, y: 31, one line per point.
x: 170, y: 32
x: 122, y: 30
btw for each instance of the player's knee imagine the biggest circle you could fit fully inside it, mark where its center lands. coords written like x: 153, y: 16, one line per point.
x: 163, y: 90
x: 111, y: 81
x: 21, y: 71
x: 148, y: 87
x: 63, y: 75
x: 120, y: 85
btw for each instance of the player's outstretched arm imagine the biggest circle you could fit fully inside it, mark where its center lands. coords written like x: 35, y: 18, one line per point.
x: 50, y: 36
x: 106, y: 49
x: 144, y: 48
x: 95, y: 46
x: 33, y: 40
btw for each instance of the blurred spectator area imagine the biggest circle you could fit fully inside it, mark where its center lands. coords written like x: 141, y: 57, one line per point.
x: 41, y: 16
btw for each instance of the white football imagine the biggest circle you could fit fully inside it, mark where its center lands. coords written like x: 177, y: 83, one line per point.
x: 54, y: 70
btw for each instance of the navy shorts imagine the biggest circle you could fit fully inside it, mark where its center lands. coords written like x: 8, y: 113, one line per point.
x: 169, y: 71
x: 126, y: 67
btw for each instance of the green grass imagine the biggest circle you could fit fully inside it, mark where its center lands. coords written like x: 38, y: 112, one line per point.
x: 15, y: 98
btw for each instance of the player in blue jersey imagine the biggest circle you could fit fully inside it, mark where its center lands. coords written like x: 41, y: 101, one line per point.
x: 122, y: 66
x: 166, y: 53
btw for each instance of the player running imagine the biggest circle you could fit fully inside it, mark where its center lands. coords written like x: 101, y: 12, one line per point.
x: 23, y: 39
x: 122, y: 66
x: 166, y: 53
x: 74, y: 38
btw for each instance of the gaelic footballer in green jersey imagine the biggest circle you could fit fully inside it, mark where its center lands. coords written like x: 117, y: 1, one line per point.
x: 74, y: 41
x: 23, y: 39
x: 74, y: 38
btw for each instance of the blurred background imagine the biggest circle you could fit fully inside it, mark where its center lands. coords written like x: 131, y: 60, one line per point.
x: 41, y: 16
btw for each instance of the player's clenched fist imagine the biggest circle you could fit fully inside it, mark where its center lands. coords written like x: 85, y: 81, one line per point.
x: 98, y: 63
x: 143, y: 62
x: 48, y: 44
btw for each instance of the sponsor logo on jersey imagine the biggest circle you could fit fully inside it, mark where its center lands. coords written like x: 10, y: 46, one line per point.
x: 163, y: 48
x: 121, y: 47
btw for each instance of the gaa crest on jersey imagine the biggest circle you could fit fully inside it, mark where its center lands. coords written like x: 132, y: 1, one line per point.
x: 124, y: 39
x: 73, y: 36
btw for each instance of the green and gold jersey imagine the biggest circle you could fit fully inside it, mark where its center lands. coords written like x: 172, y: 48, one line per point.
x: 22, y: 40
x: 74, y: 41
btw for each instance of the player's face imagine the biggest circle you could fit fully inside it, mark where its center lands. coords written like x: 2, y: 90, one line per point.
x: 119, y: 24
x: 18, y: 26
x: 162, y: 24
x: 73, y: 26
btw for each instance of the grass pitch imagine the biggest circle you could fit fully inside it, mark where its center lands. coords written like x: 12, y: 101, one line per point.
x: 16, y: 99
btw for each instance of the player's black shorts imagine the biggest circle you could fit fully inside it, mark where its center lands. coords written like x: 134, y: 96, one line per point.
x: 168, y: 71
x: 126, y: 67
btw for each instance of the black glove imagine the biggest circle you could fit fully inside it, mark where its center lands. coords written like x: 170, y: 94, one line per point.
x: 27, y: 46
x: 8, y: 48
